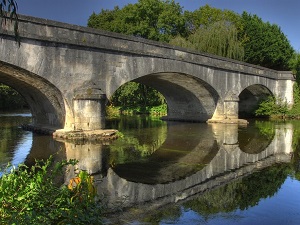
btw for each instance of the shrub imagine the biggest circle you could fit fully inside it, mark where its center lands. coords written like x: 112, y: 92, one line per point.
x: 31, y: 196
x: 272, y: 107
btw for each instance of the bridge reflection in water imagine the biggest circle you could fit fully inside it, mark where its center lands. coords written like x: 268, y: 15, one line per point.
x: 190, y: 160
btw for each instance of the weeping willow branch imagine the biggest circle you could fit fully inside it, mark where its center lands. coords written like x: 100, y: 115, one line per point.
x: 220, y: 38
x: 8, y: 13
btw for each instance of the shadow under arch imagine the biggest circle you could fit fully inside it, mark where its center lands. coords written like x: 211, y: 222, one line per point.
x: 46, y: 103
x: 188, y: 98
x: 250, y: 98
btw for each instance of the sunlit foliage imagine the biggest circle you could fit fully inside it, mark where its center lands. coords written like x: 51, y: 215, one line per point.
x: 136, y: 96
x: 32, y: 196
x: 266, y: 44
x: 152, y: 19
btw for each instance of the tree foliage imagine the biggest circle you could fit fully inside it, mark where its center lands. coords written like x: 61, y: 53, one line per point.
x: 265, y: 44
x: 220, y: 38
x: 294, y: 65
x: 152, y: 19
x: 272, y: 107
x: 10, y: 99
x: 133, y: 94
x: 206, y: 15
x: 222, y: 32
x: 8, y: 9
x: 213, y: 31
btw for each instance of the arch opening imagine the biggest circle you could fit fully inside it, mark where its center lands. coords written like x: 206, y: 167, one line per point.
x: 10, y: 99
x: 136, y: 98
x: 188, y: 98
x: 250, y: 98
x: 43, y: 98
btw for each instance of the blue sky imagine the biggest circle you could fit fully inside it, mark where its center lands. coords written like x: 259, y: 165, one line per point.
x: 285, y: 13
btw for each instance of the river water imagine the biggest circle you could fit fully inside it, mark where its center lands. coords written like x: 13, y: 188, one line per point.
x: 162, y: 172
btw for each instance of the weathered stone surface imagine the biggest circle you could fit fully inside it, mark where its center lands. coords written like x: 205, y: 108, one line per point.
x: 59, y: 65
x: 83, y: 136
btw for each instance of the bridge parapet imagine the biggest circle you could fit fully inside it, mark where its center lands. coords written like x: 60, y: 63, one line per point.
x: 67, y: 34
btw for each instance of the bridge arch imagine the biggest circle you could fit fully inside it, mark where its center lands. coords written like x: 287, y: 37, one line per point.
x: 250, y: 97
x: 188, y: 98
x: 85, y: 66
x: 46, y: 102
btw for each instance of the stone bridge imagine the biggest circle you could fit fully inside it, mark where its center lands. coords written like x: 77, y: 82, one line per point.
x: 66, y: 73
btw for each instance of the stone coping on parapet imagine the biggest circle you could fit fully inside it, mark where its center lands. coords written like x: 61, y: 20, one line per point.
x: 228, y: 121
x: 85, y: 135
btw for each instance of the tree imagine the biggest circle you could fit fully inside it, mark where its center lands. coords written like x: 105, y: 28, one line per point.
x: 206, y: 15
x: 10, y: 99
x: 219, y: 38
x: 294, y: 65
x: 133, y: 94
x: 265, y: 44
x: 152, y: 19
x: 213, y: 31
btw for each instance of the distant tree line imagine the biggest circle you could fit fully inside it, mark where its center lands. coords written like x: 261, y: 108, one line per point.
x: 243, y: 37
x: 222, y: 32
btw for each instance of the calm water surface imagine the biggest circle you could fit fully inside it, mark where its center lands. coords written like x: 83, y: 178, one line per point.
x: 180, y: 173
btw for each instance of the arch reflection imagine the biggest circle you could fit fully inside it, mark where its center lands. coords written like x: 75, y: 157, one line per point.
x: 230, y: 163
x: 193, y: 158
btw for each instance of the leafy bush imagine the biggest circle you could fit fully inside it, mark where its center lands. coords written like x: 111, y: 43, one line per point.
x: 31, y: 196
x: 134, y: 95
x: 160, y: 110
x: 294, y: 112
x: 113, y: 111
x: 272, y: 107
